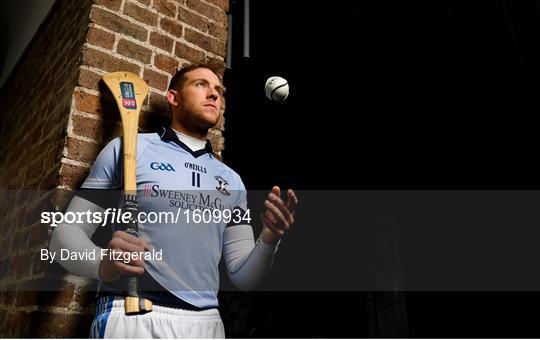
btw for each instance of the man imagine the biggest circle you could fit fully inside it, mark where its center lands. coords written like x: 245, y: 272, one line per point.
x: 176, y: 172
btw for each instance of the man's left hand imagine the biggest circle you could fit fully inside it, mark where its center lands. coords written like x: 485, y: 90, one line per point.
x: 278, y: 216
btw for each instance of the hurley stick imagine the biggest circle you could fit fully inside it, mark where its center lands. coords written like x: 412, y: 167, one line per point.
x: 129, y: 91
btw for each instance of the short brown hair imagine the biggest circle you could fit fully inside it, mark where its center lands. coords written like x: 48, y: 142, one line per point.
x: 178, y: 79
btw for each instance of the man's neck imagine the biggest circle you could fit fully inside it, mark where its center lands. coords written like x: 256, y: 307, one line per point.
x: 193, y: 143
x: 188, y: 132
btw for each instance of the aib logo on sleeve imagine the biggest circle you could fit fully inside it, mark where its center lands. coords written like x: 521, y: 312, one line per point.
x: 128, y: 95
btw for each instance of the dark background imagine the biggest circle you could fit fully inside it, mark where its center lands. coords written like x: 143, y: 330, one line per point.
x: 424, y: 93
x: 430, y: 94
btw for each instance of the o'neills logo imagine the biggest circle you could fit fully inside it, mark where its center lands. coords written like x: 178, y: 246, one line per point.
x: 190, y: 200
x: 195, y: 167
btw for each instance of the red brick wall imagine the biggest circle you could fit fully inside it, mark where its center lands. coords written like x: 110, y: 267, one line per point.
x: 56, y: 117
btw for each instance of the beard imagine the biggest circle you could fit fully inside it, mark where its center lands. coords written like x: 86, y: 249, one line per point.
x: 198, y: 120
x: 205, y: 120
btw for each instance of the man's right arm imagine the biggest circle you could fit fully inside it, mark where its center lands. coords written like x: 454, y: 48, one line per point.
x: 96, y: 195
x: 75, y: 237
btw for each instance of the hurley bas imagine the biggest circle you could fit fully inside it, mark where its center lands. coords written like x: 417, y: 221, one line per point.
x: 92, y: 255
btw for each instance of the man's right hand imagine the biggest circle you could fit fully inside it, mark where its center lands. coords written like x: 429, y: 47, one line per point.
x: 110, y: 270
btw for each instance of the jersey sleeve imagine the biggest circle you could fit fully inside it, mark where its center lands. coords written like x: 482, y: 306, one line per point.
x: 106, y: 171
x: 248, y: 261
x: 242, y: 194
x: 241, y: 201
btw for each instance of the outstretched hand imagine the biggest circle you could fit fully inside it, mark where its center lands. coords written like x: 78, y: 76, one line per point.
x: 278, y: 216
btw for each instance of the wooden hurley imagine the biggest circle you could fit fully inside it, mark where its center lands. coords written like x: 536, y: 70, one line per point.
x: 129, y: 91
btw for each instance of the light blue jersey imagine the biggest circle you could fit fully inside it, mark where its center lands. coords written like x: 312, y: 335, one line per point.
x: 173, y: 179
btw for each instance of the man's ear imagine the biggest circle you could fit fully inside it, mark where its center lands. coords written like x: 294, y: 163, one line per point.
x: 172, y: 98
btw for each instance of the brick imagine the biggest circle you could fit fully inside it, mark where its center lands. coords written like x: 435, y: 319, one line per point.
x: 27, y: 298
x: 10, y: 296
x: 38, y: 267
x: 208, y: 11
x: 217, y: 31
x: 140, y: 14
x: 81, y: 150
x: 165, y: 63
x: 106, y: 62
x: 156, y: 80
x: 2, y: 304
x: 45, y: 204
x: 25, y: 198
x: 86, y: 127
x: 100, y: 38
x: 50, y: 157
x: 97, y: 130
x: 21, y: 266
x: 90, y: 103
x: 117, y: 24
x: 61, y: 199
x: 54, y: 292
x: 189, y: 53
x: 165, y: 7
x: 38, y: 237
x: 205, y: 42
x: 58, y: 325
x: 86, y: 298
x: 18, y: 244
x: 134, y: 51
x: 223, y: 4
x: 217, y: 64
x: 110, y: 4
x: 171, y: 26
x: 49, y: 180
x: 72, y: 176
x: 89, y: 79
x: 14, y: 322
x: 161, y: 41
x: 193, y: 19
x: 3, y: 250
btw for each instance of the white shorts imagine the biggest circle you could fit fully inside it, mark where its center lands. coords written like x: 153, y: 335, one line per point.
x: 163, y: 322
